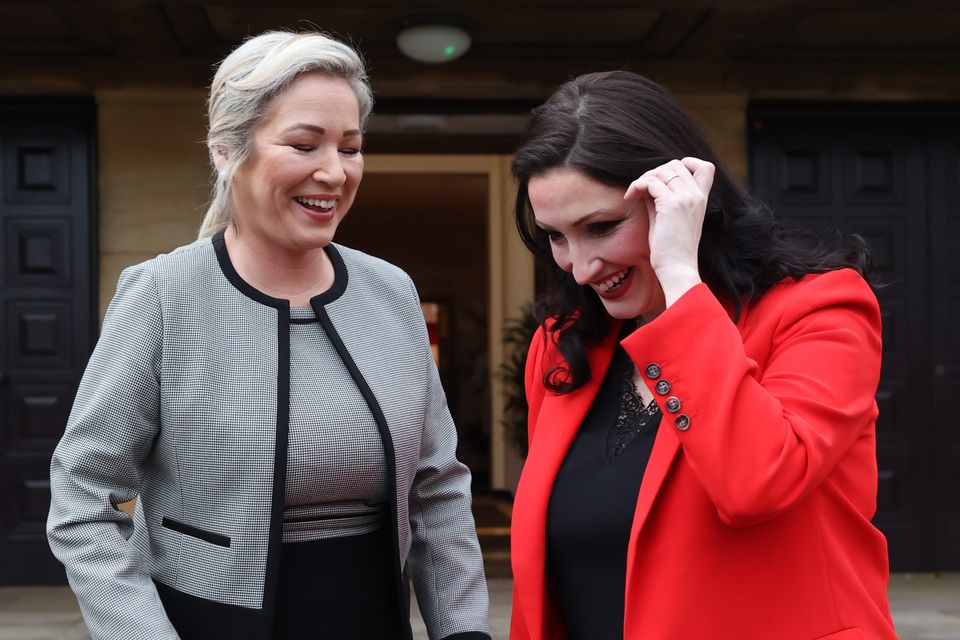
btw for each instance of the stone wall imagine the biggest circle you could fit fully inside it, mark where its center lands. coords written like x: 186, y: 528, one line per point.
x: 153, y: 176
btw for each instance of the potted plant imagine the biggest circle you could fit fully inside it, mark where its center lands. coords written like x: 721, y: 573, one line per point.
x: 517, y: 334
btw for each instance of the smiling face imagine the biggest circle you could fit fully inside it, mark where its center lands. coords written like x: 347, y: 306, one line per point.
x: 303, y: 169
x: 599, y: 238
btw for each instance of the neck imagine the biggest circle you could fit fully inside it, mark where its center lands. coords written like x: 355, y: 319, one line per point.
x: 293, y: 275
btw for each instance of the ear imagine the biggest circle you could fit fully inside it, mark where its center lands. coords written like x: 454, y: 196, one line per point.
x: 220, y: 157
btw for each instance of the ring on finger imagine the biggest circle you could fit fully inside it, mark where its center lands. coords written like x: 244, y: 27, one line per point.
x: 673, y: 177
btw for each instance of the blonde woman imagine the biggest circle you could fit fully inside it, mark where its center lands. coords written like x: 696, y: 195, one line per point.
x: 271, y: 398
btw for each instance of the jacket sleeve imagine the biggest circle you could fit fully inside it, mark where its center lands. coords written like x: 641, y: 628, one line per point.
x: 445, y: 560
x: 98, y: 464
x: 762, y: 438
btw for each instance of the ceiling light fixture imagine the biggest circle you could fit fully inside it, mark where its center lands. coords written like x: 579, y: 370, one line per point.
x: 433, y: 39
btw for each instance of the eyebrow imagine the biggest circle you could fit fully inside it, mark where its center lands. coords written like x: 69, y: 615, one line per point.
x: 316, y: 129
x: 579, y: 221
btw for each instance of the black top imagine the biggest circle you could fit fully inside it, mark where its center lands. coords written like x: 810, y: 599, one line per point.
x: 592, y: 506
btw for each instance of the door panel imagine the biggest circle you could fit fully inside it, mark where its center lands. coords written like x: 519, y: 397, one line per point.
x: 38, y: 254
x: 47, y: 313
x: 945, y: 242
x: 870, y: 174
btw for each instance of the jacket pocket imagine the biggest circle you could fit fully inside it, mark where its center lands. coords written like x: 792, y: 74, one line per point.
x: 847, y: 634
x: 186, y: 529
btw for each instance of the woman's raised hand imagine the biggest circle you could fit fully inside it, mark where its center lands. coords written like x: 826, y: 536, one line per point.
x: 675, y: 197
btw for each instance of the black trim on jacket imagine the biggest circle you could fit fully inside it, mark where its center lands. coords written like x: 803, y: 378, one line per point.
x: 339, y: 286
x: 202, y: 534
x: 403, y: 603
x: 275, y: 541
x: 336, y: 290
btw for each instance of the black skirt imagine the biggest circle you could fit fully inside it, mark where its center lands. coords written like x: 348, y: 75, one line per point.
x: 339, y: 588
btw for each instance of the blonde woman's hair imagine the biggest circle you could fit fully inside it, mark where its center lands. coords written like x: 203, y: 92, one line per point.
x: 248, y: 80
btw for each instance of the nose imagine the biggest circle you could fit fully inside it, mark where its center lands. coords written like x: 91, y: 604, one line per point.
x: 584, y: 265
x: 588, y: 271
x: 329, y: 170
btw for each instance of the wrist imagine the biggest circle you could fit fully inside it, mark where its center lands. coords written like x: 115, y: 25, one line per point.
x: 676, y: 280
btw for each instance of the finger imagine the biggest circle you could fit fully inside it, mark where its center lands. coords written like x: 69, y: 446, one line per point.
x: 647, y: 186
x: 639, y: 188
x: 702, y: 171
x: 671, y: 178
x: 658, y: 189
x: 675, y: 176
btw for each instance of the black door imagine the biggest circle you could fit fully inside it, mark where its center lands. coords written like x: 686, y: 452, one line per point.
x: 944, y: 159
x: 47, y: 315
x: 893, y: 176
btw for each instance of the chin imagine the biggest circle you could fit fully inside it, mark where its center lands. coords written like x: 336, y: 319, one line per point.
x: 316, y: 239
x: 623, y: 312
x: 628, y: 310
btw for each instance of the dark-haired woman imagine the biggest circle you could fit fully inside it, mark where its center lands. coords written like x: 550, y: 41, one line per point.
x: 702, y: 452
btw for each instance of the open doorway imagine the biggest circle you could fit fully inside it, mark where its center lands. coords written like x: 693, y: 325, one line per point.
x: 448, y: 221
x: 435, y: 228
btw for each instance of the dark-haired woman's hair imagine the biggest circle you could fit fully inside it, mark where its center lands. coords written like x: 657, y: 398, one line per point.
x: 614, y: 127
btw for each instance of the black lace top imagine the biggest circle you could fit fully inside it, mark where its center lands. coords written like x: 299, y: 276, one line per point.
x: 592, y: 505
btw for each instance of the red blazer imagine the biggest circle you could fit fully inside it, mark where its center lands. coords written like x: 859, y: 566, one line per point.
x: 753, y: 522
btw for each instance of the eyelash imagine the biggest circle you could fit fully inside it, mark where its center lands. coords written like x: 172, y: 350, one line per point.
x: 597, y: 229
x: 306, y: 148
x: 553, y: 236
x: 601, y: 229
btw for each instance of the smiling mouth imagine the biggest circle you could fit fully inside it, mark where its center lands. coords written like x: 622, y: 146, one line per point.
x: 614, y: 282
x: 317, y: 204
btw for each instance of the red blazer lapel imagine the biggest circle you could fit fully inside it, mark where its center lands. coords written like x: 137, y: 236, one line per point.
x: 558, y: 421
x: 665, y: 448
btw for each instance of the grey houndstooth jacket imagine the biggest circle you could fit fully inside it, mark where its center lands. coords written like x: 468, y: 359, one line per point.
x: 185, y: 402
